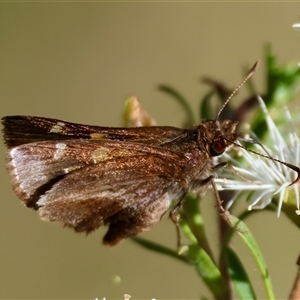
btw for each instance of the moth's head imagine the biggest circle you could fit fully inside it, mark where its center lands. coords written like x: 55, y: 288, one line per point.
x: 216, y: 136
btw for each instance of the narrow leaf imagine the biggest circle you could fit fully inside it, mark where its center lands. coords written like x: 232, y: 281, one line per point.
x: 249, y: 240
x: 239, y: 276
x: 159, y: 249
x: 182, y: 101
x: 208, y: 271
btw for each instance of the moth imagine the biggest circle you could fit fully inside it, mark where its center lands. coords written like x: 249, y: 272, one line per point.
x: 86, y: 176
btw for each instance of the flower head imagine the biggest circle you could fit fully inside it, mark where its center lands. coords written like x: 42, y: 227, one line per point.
x: 264, y: 179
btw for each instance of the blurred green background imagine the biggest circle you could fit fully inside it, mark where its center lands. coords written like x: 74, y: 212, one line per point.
x: 78, y: 61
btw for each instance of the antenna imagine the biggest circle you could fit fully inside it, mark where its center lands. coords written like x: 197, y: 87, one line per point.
x: 251, y: 72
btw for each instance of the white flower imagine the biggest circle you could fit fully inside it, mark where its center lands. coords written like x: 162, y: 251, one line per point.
x: 262, y: 178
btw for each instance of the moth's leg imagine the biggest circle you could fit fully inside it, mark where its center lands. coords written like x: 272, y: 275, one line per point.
x: 210, y: 180
x: 219, y: 166
x: 224, y: 213
x: 226, y: 164
x: 174, y: 216
x: 217, y: 195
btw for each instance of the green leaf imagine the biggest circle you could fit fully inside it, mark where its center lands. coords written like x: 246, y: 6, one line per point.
x: 250, y: 242
x: 192, y: 223
x: 239, y: 276
x: 182, y: 101
x: 159, y: 249
x: 282, y: 82
x: 207, y: 270
x: 282, y: 88
x: 206, y: 109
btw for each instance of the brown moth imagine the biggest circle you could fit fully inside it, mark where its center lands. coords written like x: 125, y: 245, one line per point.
x: 86, y: 176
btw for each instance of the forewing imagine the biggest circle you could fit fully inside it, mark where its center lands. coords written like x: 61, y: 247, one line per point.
x: 20, y: 130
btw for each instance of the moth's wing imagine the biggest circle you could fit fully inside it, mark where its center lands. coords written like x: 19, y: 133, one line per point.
x: 128, y: 194
x: 155, y: 196
x: 36, y: 167
x: 20, y: 130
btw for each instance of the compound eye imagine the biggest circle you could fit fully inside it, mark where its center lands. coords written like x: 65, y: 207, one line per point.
x: 217, y: 147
